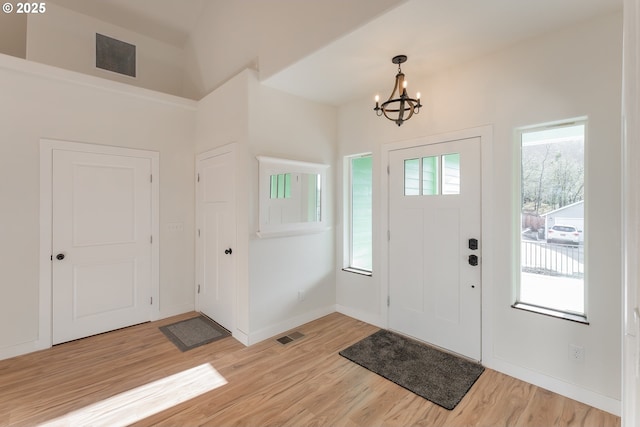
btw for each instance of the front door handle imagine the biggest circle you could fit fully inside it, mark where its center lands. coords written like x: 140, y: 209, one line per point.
x: 60, y: 257
x: 228, y: 251
x: 473, y: 260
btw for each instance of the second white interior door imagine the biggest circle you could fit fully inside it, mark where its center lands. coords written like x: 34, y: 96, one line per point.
x: 216, y: 236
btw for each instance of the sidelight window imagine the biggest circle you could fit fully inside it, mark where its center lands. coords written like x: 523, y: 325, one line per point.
x: 360, y: 224
x: 551, y: 216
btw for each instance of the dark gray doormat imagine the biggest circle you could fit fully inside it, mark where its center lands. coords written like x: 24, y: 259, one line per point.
x: 437, y: 376
x: 194, y: 332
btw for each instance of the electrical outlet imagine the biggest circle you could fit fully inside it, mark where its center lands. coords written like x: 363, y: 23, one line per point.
x: 300, y: 295
x: 576, y: 353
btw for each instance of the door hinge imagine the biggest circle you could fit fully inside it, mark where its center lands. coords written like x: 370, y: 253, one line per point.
x: 388, y: 235
x: 198, y: 232
x: 388, y: 169
x: 151, y: 239
x: 198, y: 288
x: 388, y: 301
x: 151, y: 301
x: 151, y: 178
x: 198, y: 178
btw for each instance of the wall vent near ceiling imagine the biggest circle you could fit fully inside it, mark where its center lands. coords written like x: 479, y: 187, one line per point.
x: 115, y: 55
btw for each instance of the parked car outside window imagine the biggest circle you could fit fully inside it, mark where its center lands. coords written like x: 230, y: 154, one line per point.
x: 563, y: 234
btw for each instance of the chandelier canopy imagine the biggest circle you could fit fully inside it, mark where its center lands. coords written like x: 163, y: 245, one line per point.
x: 399, y: 107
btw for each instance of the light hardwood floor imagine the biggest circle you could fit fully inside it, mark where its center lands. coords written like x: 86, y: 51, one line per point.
x: 303, y: 383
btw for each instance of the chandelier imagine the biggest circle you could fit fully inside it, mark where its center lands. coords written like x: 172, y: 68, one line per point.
x: 399, y: 107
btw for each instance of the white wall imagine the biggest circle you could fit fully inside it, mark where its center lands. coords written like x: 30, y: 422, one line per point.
x: 66, y: 39
x: 13, y: 34
x: 271, y: 271
x: 572, y: 73
x: 631, y: 214
x: 219, y: 123
x: 40, y: 101
x: 285, y: 126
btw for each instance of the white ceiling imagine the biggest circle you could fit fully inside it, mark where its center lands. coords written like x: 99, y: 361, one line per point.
x: 170, y: 21
x: 434, y: 34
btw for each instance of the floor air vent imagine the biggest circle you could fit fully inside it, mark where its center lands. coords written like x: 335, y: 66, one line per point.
x: 291, y: 337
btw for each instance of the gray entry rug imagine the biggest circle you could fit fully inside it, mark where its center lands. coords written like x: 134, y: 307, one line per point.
x: 437, y: 376
x: 194, y: 332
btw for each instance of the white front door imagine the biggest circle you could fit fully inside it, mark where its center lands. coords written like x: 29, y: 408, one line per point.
x: 216, y: 236
x: 101, y: 241
x: 434, y: 213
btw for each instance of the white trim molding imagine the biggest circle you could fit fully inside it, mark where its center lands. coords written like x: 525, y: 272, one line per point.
x: 631, y: 215
x: 556, y: 385
x: 286, y: 325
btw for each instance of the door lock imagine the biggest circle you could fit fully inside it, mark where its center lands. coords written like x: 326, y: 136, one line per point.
x: 473, y: 260
x: 473, y: 244
x: 60, y: 257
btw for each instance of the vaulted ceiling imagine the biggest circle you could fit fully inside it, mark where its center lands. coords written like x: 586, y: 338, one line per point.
x: 333, y: 51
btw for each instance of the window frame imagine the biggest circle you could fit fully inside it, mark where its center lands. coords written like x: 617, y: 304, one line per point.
x: 348, y: 224
x: 517, y: 219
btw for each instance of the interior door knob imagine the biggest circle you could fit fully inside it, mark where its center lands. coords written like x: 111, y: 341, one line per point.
x: 60, y: 257
x: 228, y: 251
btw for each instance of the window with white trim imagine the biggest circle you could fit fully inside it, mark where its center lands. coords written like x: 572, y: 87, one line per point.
x: 551, y: 239
x: 359, y: 226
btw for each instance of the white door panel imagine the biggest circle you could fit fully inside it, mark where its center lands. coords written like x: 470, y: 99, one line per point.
x: 434, y: 291
x: 102, y: 227
x: 217, y: 237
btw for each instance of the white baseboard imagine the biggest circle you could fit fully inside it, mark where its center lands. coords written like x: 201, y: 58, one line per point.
x: 241, y: 337
x: 555, y: 385
x: 372, y: 319
x: 294, y: 322
x: 572, y: 391
x: 37, y: 345
x: 22, y: 348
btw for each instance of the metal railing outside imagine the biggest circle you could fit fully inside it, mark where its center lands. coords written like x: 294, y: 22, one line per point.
x: 552, y: 259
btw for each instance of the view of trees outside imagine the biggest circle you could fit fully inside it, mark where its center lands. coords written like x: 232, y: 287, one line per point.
x: 552, y: 178
x: 552, y: 169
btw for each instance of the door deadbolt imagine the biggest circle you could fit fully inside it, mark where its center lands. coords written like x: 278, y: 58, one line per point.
x: 473, y: 260
x: 473, y: 244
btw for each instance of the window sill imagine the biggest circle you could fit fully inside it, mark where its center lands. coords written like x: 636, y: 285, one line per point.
x: 357, y: 271
x: 578, y: 318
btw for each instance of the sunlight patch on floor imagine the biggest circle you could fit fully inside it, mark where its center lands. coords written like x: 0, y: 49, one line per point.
x: 144, y: 401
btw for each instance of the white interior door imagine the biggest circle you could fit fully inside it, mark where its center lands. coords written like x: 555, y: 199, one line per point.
x: 434, y: 211
x: 216, y: 236
x: 101, y: 241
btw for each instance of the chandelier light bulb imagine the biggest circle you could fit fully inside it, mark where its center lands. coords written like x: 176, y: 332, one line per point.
x: 418, y: 95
